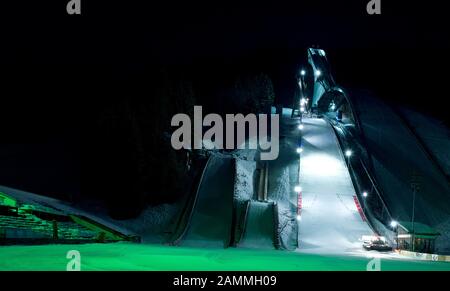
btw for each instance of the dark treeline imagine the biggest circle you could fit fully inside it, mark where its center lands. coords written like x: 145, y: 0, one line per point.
x: 102, y: 131
x: 129, y: 162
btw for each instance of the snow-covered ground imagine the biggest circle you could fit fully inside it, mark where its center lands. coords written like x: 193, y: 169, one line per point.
x: 330, y: 221
x: 244, y: 186
x: 152, y: 223
x: 145, y: 257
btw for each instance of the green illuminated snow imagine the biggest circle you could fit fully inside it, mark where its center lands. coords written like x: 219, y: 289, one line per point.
x: 128, y: 256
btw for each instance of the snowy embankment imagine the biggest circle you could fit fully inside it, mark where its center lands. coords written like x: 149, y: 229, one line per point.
x: 287, y: 207
x: 151, y: 223
x: 284, y: 177
x: 244, y: 186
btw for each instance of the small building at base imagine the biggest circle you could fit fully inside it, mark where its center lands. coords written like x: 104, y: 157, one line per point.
x: 422, y: 235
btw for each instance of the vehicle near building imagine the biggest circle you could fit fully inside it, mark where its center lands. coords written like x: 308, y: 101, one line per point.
x: 376, y: 243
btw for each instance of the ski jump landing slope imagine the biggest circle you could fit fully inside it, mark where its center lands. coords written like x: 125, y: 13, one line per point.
x: 259, y: 228
x: 330, y: 221
x: 210, y: 224
x: 395, y: 155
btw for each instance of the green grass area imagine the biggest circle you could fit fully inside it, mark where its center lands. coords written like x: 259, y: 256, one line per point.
x: 128, y: 256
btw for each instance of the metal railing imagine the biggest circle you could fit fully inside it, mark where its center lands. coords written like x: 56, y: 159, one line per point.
x: 374, y: 207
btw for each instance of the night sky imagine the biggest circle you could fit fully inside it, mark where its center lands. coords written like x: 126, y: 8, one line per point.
x: 56, y: 67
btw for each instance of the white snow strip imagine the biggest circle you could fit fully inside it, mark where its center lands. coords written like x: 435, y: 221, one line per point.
x: 330, y: 222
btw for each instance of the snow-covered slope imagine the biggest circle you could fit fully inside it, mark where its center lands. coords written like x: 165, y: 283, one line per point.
x: 330, y: 221
x: 434, y: 135
x: 284, y: 176
x: 396, y: 155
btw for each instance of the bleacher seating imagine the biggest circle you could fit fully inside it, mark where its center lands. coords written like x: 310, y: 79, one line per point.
x: 22, y: 224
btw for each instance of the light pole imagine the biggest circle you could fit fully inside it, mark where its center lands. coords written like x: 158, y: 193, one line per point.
x: 302, y: 107
x: 348, y: 154
x: 394, y: 225
x: 302, y: 79
x: 364, y: 194
x: 302, y: 93
x: 415, y: 185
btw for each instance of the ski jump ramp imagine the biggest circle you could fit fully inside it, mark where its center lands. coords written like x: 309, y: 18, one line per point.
x: 330, y: 221
x: 259, y: 226
x: 210, y: 224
